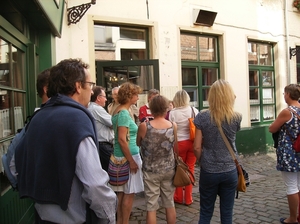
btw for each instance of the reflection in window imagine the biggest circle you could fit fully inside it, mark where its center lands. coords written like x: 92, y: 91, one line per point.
x: 207, y: 46
x: 267, y: 78
x: 209, y: 76
x: 189, y: 76
x: 205, y: 97
x: 253, y: 78
x: 193, y: 93
x: 188, y: 47
x: 120, y: 43
x: 261, y: 82
x: 260, y: 54
x: 254, y: 95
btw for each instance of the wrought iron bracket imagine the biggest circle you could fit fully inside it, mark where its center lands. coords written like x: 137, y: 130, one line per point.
x: 294, y: 51
x: 75, y: 13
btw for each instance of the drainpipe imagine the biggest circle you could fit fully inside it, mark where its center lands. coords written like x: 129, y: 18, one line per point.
x: 288, y: 67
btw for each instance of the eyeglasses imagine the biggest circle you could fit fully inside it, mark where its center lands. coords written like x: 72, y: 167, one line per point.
x: 92, y: 84
x: 102, y: 96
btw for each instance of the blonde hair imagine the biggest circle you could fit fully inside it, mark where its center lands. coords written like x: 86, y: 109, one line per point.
x: 221, y: 101
x: 181, y: 99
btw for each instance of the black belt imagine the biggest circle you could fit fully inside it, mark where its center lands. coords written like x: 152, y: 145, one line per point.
x: 105, y: 143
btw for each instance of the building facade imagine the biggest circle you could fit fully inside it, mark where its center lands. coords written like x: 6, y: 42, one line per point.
x: 178, y: 44
x: 164, y: 44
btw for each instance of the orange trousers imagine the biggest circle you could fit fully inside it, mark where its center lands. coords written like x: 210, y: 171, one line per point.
x: 186, y: 152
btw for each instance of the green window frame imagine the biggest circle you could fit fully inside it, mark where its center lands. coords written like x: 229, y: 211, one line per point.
x: 200, y: 66
x: 261, y: 82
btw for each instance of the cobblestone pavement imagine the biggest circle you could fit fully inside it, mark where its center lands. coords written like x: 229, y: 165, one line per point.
x: 264, y: 202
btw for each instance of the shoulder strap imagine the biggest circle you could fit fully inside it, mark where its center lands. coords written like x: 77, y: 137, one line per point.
x: 175, y: 148
x: 228, y: 146
x: 193, y: 113
x: 288, y: 132
x: 294, y: 112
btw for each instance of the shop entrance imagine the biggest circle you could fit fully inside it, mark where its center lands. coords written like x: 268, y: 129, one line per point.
x: 144, y: 73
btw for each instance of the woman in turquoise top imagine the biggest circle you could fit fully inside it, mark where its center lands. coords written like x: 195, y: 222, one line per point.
x: 125, y: 146
x: 288, y: 161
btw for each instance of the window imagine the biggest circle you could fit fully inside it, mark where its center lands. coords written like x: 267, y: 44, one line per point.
x: 261, y: 82
x: 120, y: 43
x: 200, y: 66
x: 12, y: 96
x: 298, y: 63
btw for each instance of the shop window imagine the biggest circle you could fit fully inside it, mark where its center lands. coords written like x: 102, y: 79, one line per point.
x: 12, y: 95
x: 200, y: 66
x: 261, y: 82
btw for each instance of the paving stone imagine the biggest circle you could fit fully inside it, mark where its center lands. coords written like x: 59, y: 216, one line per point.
x: 264, y: 202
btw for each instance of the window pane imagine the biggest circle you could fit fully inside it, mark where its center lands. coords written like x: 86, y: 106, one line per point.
x: 193, y: 93
x: 265, y: 54
x: 19, y: 110
x: 267, y: 78
x: 5, y: 113
x: 120, y: 43
x: 133, y: 54
x: 298, y: 54
x: 209, y: 76
x: 18, y: 68
x: 254, y: 114
x: 253, y: 78
x: 5, y: 184
x: 207, y: 48
x: 189, y: 76
x: 205, y: 97
x: 4, y: 64
x: 298, y: 74
x: 132, y: 33
x: 188, y: 47
x: 268, y: 96
x: 252, y: 54
x: 268, y: 112
x: 254, y: 95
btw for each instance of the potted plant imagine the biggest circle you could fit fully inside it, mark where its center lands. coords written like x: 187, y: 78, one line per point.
x: 296, y: 4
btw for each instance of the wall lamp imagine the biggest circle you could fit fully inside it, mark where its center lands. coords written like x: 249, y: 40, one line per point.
x: 294, y: 51
x: 77, y: 12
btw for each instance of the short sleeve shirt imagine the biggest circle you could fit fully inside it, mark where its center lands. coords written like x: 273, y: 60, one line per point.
x: 215, y: 157
x: 123, y: 119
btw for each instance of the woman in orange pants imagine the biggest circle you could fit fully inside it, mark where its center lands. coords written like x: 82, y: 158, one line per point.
x: 180, y: 115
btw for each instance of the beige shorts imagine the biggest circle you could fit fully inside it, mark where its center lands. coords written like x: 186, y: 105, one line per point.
x: 159, y: 185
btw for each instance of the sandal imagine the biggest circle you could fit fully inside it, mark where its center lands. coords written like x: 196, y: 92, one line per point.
x: 283, y: 222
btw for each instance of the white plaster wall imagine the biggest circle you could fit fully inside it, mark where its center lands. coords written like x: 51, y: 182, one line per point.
x: 236, y: 22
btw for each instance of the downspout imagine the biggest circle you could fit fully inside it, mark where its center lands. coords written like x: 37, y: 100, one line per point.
x: 288, y: 67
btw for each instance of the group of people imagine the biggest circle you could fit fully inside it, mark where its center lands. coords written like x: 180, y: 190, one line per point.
x: 58, y: 164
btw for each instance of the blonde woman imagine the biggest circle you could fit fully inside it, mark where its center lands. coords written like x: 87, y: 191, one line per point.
x: 218, y: 175
x: 180, y: 115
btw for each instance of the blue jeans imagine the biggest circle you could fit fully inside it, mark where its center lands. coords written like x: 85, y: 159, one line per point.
x: 211, y: 185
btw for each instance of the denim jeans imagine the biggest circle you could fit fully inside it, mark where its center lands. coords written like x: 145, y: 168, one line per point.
x: 211, y: 185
